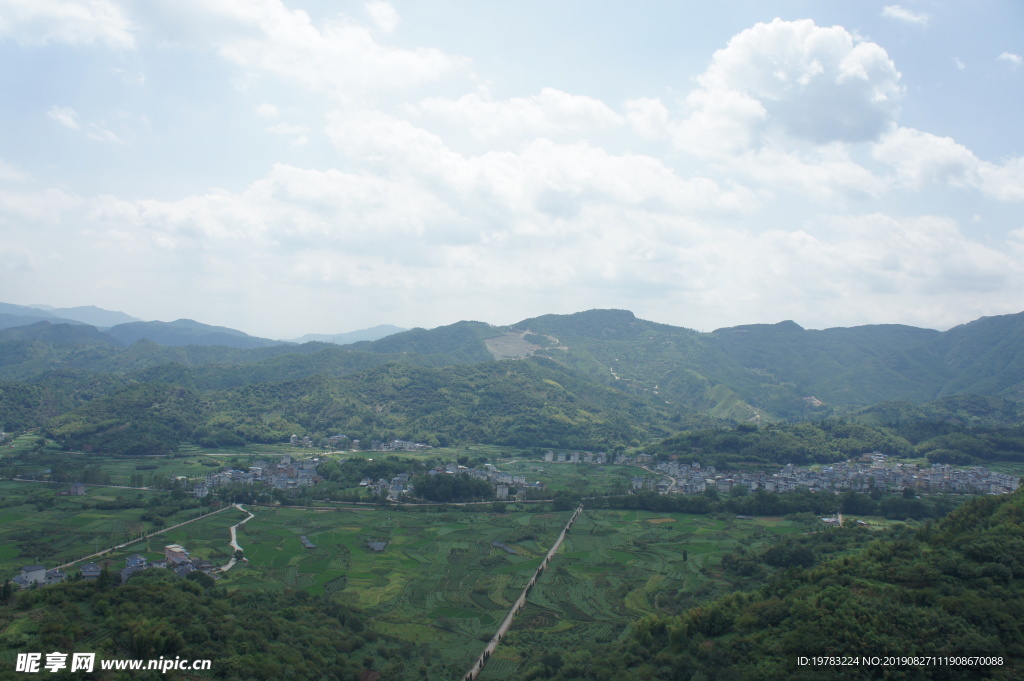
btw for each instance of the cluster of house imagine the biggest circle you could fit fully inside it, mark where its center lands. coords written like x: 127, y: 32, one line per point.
x: 393, y: 488
x: 38, y: 574
x: 175, y: 558
x: 503, y: 483
x: 285, y: 474
x: 397, y: 446
x: 870, y: 472
x: 582, y: 457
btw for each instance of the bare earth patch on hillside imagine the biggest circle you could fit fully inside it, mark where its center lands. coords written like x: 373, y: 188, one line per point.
x: 512, y: 345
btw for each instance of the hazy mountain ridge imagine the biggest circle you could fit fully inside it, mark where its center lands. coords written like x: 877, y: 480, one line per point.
x: 127, y: 329
x: 371, y: 334
x: 90, y: 314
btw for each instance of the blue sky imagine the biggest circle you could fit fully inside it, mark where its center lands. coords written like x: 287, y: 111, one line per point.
x: 285, y: 167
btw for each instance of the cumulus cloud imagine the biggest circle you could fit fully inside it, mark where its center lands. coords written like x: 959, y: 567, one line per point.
x: 75, y: 22
x: 920, y: 159
x: 791, y: 77
x: 557, y: 177
x: 903, y: 14
x: 414, y: 225
x: 647, y: 117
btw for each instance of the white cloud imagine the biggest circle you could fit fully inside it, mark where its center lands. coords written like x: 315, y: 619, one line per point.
x: 959, y: 64
x: 546, y: 176
x: 383, y: 15
x: 64, y: 115
x: 1014, y: 60
x: 903, y: 14
x: 549, y: 113
x: 75, y: 22
x: 922, y: 159
x: 825, y: 173
x: 808, y: 82
x: 648, y: 117
x: 339, y: 57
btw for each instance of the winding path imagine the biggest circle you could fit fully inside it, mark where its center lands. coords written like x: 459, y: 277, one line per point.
x: 234, y: 537
x: 520, y: 603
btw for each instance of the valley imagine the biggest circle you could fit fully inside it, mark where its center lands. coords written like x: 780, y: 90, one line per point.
x: 407, y: 489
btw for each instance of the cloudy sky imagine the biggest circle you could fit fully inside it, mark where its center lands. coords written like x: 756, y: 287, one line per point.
x: 294, y: 166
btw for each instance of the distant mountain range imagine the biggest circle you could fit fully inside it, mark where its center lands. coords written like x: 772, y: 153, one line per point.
x: 126, y: 329
x: 371, y: 334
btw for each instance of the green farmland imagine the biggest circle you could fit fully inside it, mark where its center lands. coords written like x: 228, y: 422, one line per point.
x: 618, y: 566
x: 440, y: 581
x: 37, y: 526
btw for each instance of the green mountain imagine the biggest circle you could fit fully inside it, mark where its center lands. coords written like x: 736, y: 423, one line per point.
x: 534, y: 403
x: 589, y: 379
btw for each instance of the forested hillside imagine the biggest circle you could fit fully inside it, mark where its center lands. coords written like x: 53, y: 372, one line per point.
x: 533, y: 403
x: 595, y: 379
x: 247, y: 634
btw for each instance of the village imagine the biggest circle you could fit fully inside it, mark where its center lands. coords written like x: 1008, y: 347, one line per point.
x: 867, y: 473
x: 176, y: 558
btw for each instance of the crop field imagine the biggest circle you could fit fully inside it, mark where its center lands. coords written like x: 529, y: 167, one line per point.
x: 438, y: 581
x: 579, y: 478
x: 29, y: 512
x: 441, y: 582
x: 614, y: 568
